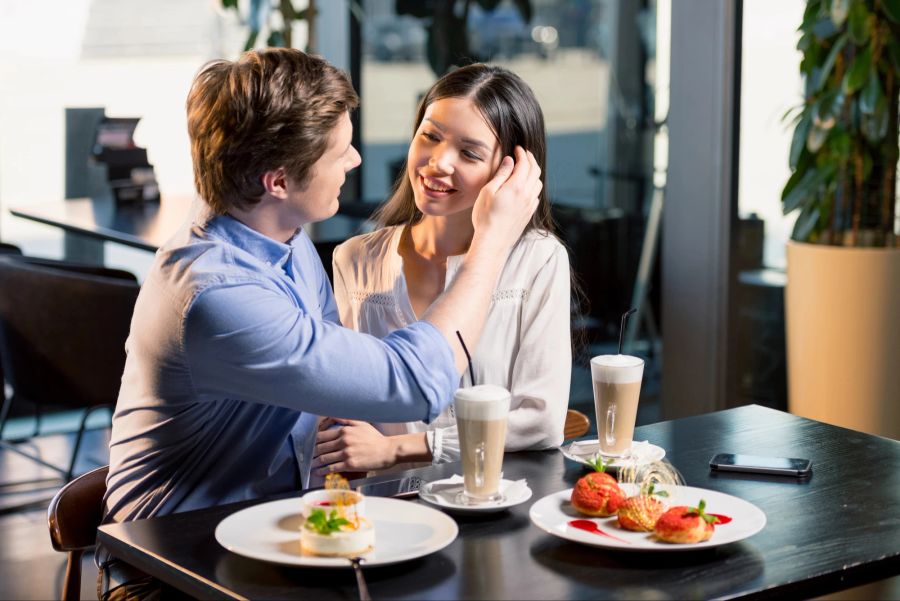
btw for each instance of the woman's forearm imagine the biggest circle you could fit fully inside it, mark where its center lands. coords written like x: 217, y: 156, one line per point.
x: 410, y: 448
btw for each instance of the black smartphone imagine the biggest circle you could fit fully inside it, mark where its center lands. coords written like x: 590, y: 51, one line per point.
x: 781, y: 466
x: 403, y: 487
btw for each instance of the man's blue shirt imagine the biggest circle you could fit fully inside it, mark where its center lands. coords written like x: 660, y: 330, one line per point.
x: 235, y: 348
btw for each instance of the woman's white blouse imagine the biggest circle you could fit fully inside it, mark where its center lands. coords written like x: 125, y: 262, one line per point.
x: 525, y: 346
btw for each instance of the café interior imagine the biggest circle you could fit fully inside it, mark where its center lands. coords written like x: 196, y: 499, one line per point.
x: 673, y: 174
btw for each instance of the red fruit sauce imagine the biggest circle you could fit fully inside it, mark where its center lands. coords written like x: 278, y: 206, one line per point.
x: 590, y: 526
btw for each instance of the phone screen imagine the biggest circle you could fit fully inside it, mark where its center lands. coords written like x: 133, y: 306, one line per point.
x: 393, y: 488
x: 756, y: 463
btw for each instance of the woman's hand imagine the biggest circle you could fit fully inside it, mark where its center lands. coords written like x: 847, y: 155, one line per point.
x: 356, y: 446
x: 506, y: 203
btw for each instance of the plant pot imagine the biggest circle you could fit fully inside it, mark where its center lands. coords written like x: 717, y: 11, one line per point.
x: 843, y: 336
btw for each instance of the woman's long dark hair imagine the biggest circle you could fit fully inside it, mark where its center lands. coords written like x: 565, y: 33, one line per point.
x: 513, y: 113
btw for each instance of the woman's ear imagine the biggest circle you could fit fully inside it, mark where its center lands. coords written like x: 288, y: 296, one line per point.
x: 275, y: 182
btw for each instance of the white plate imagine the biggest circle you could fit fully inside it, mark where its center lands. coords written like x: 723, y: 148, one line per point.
x: 641, y: 453
x: 271, y: 532
x: 442, y: 494
x: 553, y: 513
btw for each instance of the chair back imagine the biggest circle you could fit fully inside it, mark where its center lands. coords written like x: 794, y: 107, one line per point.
x: 577, y: 424
x: 76, y: 510
x: 73, y: 517
x: 63, y: 328
x: 9, y: 249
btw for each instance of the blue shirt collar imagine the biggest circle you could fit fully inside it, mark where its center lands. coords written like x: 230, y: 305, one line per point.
x: 262, y: 247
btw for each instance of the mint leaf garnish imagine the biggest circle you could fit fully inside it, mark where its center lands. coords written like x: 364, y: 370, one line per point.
x: 323, y: 524
x: 597, y: 463
x: 700, y: 510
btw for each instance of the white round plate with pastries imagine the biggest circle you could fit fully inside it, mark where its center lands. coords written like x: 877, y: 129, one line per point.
x: 271, y: 532
x: 553, y: 513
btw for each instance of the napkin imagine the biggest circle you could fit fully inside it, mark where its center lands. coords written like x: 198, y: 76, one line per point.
x: 444, y: 491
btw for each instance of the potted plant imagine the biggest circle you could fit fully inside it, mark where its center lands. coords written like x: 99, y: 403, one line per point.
x: 843, y: 262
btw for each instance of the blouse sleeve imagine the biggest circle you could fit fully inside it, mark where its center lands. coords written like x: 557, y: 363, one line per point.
x: 341, y: 297
x: 541, y: 369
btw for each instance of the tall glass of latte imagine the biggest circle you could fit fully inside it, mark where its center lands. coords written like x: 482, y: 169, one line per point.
x: 481, y: 418
x: 617, y: 386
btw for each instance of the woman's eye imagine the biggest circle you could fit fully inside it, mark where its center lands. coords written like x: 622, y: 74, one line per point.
x: 471, y: 155
x: 429, y: 136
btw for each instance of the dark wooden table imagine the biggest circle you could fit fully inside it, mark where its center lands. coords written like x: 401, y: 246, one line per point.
x: 838, y: 529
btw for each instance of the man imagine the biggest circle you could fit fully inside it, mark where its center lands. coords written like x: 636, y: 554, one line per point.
x: 235, y: 344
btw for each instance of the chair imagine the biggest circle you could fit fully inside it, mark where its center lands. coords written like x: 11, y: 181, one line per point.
x: 62, y: 338
x: 9, y: 249
x: 577, y: 424
x: 73, y: 517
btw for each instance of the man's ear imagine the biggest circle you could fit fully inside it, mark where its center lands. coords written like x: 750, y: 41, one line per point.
x: 275, y: 182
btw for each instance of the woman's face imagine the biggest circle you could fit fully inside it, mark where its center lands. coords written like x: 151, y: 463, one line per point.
x: 454, y: 153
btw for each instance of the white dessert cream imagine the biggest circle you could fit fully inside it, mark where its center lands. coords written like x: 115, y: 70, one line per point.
x: 335, y: 524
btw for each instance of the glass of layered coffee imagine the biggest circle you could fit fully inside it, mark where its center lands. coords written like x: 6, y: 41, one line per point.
x: 617, y: 387
x: 481, y: 418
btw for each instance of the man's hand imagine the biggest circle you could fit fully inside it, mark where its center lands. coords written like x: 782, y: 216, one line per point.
x: 506, y: 203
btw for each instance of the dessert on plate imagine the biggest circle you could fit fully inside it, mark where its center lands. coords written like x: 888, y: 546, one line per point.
x: 683, y: 524
x: 640, y: 512
x: 598, y: 493
x: 335, y: 524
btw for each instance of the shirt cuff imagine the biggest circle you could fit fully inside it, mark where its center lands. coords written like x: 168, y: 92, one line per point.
x: 435, y: 444
x: 444, y: 443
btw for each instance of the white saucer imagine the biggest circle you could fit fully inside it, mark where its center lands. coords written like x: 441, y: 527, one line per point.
x: 442, y: 494
x: 641, y: 453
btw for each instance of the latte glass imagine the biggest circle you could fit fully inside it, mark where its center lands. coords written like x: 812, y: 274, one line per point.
x: 481, y: 413
x: 617, y: 387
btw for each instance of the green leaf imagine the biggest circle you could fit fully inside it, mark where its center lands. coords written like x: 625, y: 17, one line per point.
x: 800, y: 191
x: 828, y: 65
x: 701, y: 511
x: 276, y: 39
x: 796, y: 176
x: 871, y: 94
x: 839, y: 144
x: 816, y: 138
x: 826, y: 109
x: 823, y: 28
x: 858, y: 71
x: 891, y: 9
x: 323, y: 524
x: 839, y: 10
x: 805, y: 223
x: 798, y: 143
x: 251, y: 40
x: 597, y: 463
x: 875, y: 126
x: 230, y: 4
x: 858, y: 25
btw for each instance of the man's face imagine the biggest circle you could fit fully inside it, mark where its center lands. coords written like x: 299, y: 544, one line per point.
x: 318, y: 200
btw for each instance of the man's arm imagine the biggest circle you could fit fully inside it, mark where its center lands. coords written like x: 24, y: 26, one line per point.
x: 503, y: 209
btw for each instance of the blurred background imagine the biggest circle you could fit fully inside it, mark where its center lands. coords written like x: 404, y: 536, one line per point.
x: 601, y: 70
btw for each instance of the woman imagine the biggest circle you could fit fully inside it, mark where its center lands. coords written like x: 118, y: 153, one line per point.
x: 467, y: 122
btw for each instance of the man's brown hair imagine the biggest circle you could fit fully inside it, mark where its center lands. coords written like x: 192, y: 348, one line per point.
x: 271, y: 108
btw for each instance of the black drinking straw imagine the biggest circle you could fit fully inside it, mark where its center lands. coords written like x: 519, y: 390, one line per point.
x: 468, y: 356
x: 621, y: 328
